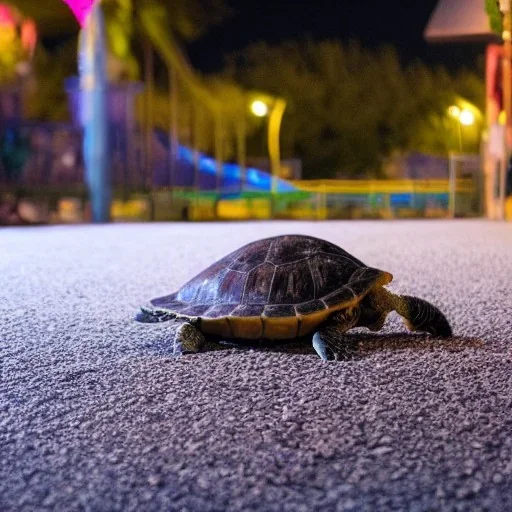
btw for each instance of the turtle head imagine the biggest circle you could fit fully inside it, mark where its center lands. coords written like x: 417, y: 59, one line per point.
x: 420, y: 315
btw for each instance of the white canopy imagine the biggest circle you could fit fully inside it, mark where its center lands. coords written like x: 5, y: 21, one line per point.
x: 459, y: 21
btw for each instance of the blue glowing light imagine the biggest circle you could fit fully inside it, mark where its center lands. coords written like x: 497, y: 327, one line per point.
x: 255, y: 179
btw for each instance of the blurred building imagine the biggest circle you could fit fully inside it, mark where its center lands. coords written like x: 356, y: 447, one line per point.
x: 455, y: 21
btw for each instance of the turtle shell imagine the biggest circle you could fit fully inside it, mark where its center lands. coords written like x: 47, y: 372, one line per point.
x: 276, y: 288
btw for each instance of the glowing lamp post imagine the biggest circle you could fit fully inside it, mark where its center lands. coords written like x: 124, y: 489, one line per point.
x: 93, y: 106
x: 463, y: 117
x: 466, y: 118
x: 261, y: 108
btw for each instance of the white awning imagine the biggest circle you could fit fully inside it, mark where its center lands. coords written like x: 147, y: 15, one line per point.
x: 459, y: 21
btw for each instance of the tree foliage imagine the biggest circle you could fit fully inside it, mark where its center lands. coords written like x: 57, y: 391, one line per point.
x: 495, y: 18
x: 185, y: 19
x: 52, y: 21
x: 49, y: 100
x: 350, y: 108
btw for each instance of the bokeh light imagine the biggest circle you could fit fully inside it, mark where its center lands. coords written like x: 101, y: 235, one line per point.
x: 467, y: 118
x: 454, y: 111
x: 259, y: 108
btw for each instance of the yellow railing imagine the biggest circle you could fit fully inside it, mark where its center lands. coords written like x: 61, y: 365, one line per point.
x: 383, y: 186
x: 324, y: 199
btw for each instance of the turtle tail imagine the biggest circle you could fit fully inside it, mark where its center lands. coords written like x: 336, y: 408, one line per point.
x: 153, y: 316
x: 420, y: 315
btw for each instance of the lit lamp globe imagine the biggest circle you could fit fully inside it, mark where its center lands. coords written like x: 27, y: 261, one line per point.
x: 467, y: 118
x: 259, y: 108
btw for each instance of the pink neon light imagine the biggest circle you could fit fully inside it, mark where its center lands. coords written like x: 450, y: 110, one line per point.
x: 80, y: 8
x: 29, y: 35
x: 6, y: 15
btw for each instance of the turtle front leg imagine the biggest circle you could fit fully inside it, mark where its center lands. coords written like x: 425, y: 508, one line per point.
x: 329, y: 341
x: 331, y: 345
x: 186, y: 339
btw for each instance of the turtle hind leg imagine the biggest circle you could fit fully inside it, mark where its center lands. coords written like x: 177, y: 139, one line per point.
x: 420, y: 315
x: 154, y: 316
x: 186, y: 339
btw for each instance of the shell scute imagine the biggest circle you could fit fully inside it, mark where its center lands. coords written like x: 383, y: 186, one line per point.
x: 293, y: 284
x: 257, y: 287
x: 366, y: 277
x: 340, y: 296
x: 247, y: 260
x: 248, y: 310
x: 329, y: 271
x: 290, y: 248
x: 287, y: 249
x: 220, y: 310
x: 231, y: 287
x: 204, y: 288
x: 309, y: 307
x: 279, y: 311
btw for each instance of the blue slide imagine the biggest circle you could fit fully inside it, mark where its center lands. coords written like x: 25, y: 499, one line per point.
x: 229, y: 183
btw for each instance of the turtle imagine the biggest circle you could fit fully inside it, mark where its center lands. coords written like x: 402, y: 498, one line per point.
x: 287, y: 287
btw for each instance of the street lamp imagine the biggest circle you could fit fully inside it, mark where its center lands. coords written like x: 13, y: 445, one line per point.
x: 259, y: 108
x: 455, y: 112
x: 463, y: 117
x: 467, y: 118
x: 273, y: 107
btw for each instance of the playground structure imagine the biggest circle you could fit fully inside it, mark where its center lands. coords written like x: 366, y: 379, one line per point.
x: 89, y: 100
x: 53, y: 179
x: 154, y: 177
x: 457, y: 21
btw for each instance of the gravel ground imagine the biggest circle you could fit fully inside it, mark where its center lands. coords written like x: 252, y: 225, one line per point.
x: 96, y: 415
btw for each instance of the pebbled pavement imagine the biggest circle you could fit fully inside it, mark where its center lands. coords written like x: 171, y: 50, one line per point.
x: 96, y: 415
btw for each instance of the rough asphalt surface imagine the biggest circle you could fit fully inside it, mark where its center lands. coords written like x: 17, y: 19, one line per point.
x: 96, y: 415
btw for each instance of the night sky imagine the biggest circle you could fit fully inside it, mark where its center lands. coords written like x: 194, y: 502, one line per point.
x: 397, y: 22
